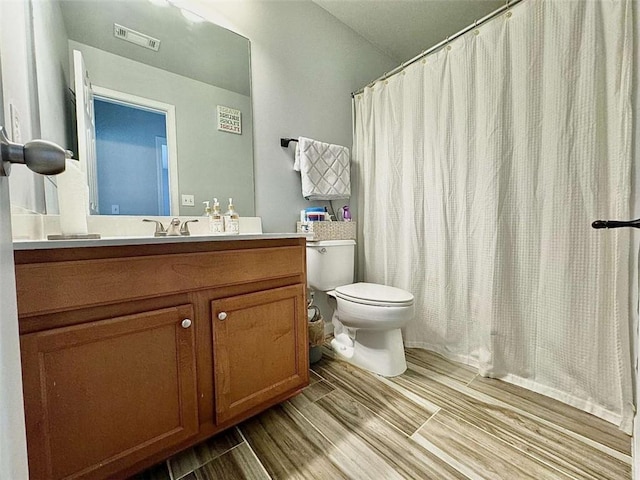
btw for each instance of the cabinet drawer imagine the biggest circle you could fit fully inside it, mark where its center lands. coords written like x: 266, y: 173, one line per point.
x: 103, y: 395
x: 57, y: 286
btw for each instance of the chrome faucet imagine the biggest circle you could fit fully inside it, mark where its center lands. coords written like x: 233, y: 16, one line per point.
x: 174, y: 229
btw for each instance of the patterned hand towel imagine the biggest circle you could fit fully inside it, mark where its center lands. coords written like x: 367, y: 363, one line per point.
x: 324, y: 168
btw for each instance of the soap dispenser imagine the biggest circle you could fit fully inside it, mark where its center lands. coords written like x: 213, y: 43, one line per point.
x: 216, y: 222
x: 231, y: 220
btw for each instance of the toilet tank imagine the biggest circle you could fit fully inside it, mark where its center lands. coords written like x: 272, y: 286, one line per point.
x: 330, y: 264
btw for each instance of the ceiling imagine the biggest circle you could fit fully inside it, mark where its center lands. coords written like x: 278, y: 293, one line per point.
x: 404, y: 28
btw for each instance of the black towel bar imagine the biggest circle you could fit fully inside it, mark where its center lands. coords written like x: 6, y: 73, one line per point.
x: 284, y: 142
x: 616, y: 223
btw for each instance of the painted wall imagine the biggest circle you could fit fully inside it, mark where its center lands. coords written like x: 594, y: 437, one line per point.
x: 27, y: 190
x: 52, y: 64
x: 304, y: 65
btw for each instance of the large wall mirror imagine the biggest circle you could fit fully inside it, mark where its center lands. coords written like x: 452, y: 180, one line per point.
x: 154, y: 100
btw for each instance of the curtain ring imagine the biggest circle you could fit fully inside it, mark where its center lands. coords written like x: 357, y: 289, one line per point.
x: 509, y: 13
x: 475, y: 27
x: 448, y: 46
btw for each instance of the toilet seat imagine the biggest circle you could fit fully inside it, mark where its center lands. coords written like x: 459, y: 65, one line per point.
x: 375, y: 295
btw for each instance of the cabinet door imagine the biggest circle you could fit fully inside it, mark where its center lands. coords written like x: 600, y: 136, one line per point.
x: 260, y: 348
x: 103, y: 395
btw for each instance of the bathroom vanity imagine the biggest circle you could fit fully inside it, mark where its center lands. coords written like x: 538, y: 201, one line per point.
x: 132, y: 352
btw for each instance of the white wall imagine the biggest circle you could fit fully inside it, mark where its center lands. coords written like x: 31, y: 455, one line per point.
x: 52, y: 64
x: 27, y: 188
x: 304, y: 66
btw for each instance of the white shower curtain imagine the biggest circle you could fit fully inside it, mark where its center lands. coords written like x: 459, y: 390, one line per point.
x: 480, y: 170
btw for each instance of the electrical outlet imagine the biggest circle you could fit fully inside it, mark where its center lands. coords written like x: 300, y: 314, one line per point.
x: 188, y: 200
x: 115, y: 209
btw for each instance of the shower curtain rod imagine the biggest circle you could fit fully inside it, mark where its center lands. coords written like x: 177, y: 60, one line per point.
x: 443, y: 43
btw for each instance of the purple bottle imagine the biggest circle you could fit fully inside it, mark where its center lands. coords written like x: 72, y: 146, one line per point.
x: 346, y: 214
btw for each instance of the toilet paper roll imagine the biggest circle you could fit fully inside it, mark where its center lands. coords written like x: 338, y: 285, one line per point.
x: 73, y: 200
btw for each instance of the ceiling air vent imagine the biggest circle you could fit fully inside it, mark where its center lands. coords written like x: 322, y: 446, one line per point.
x: 137, y: 38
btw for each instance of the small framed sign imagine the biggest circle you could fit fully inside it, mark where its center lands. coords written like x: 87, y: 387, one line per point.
x: 229, y: 120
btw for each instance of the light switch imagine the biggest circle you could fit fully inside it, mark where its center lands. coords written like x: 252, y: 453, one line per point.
x: 188, y: 200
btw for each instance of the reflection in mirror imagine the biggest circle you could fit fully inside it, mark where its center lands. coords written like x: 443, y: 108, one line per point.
x: 148, y: 127
x: 128, y: 127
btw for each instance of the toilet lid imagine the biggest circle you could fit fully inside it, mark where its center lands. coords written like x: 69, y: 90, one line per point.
x: 374, y: 294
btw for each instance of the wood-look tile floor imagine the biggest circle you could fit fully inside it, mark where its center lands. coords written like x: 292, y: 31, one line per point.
x: 438, y: 420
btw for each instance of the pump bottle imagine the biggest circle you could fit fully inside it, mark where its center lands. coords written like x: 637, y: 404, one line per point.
x: 216, y: 222
x: 231, y: 220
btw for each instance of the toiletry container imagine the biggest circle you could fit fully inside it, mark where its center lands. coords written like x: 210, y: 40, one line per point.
x: 345, y: 214
x: 315, y: 214
x: 216, y: 222
x: 231, y: 220
x: 207, y: 213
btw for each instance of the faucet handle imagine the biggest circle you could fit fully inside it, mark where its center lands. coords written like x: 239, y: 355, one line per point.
x: 184, y: 229
x: 160, y: 230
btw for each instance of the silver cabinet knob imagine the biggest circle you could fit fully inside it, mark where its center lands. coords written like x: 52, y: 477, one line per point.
x: 186, y: 323
x: 222, y: 315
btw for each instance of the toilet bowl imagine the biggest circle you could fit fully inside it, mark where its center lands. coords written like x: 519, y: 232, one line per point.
x: 367, y: 317
x: 367, y: 322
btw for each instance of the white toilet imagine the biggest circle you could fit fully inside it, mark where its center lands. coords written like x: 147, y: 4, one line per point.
x: 368, y: 317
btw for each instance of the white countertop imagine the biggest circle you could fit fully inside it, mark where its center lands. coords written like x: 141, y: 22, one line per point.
x: 117, y: 241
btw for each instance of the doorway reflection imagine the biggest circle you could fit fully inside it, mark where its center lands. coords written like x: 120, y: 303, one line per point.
x: 133, y: 166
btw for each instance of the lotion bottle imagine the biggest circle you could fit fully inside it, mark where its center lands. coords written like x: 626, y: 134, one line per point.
x: 207, y: 213
x: 207, y: 209
x: 216, y: 222
x: 231, y: 220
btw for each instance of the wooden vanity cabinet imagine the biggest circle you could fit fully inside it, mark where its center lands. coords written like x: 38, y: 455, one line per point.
x: 258, y: 348
x: 104, y: 391
x: 133, y: 353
